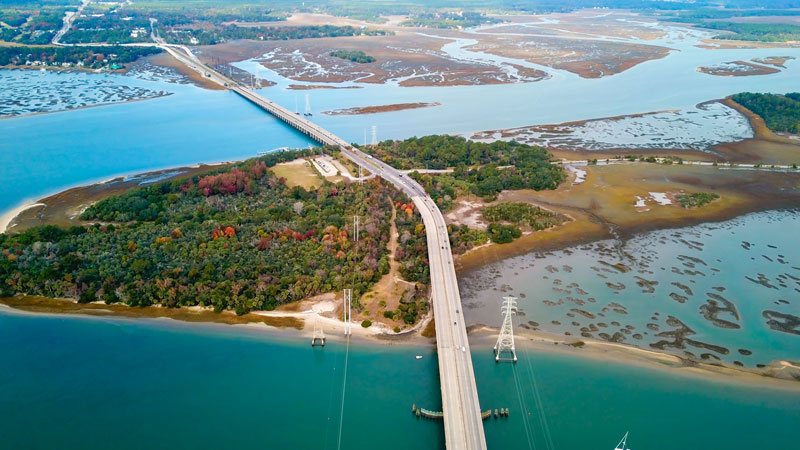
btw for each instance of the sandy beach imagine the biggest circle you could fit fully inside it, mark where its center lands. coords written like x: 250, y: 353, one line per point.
x: 62, y: 207
x: 300, y: 325
x: 7, y: 217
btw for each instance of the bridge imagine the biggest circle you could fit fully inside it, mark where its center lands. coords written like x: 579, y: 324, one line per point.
x: 463, y: 425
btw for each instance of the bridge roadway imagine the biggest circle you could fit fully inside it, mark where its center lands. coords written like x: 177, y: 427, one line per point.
x: 463, y: 425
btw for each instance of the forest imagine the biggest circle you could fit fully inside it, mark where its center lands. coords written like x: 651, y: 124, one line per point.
x: 34, y: 25
x: 763, y: 32
x: 696, y: 199
x: 90, y: 57
x: 356, y: 56
x: 234, y: 238
x: 522, y: 214
x: 480, y: 169
x: 780, y: 112
x: 505, y: 220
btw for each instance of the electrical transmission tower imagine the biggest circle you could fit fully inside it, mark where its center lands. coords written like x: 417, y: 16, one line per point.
x: 356, y: 224
x: 505, y: 341
x: 374, y: 135
x: 348, y: 329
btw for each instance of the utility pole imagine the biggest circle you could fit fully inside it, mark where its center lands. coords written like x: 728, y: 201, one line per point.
x: 348, y: 294
x: 505, y: 341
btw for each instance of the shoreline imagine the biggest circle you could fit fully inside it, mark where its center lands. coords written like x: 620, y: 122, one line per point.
x: 283, y: 328
x: 126, y: 180
x: 9, y: 216
x: 363, y: 110
x: 66, y: 69
x: 545, y: 240
x: 642, y: 357
x: 77, y: 108
x: 280, y: 323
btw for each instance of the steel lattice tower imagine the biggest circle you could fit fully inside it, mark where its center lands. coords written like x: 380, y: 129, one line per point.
x: 348, y: 329
x: 505, y: 341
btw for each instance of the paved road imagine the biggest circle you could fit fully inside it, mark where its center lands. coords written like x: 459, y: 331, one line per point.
x: 462, y: 416
x: 69, y: 17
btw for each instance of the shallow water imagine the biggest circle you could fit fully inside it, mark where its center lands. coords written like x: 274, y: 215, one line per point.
x: 45, y: 153
x: 49, y: 152
x: 33, y: 91
x: 694, y: 129
x: 93, y: 383
x: 695, y: 265
x: 670, y: 83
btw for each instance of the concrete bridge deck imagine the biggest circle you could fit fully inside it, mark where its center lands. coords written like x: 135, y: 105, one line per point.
x: 462, y: 415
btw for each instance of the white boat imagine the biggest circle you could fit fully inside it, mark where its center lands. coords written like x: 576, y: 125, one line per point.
x: 419, y: 356
x: 623, y: 444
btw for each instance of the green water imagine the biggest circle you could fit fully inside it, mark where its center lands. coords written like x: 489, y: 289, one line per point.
x: 87, y: 383
x: 723, y: 260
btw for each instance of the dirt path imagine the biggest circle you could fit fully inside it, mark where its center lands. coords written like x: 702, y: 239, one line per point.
x: 390, y: 288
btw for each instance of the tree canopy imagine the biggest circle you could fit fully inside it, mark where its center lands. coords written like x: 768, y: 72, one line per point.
x: 482, y: 169
x: 234, y: 238
x: 780, y: 112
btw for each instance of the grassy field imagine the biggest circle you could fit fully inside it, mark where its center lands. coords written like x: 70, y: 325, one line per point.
x: 607, y: 200
x: 298, y: 173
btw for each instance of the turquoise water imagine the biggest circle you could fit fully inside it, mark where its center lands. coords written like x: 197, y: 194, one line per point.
x: 46, y: 153
x: 711, y: 260
x: 49, y: 152
x: 87, y: 383
x: 96, y: 383
x: 670, y: 83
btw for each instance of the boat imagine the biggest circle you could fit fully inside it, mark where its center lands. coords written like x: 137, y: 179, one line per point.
x: 623, y: 444
x: 419, y: 356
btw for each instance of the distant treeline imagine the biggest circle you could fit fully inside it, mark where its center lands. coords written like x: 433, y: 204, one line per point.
x: 36, y: 21
x: 92, y: 57
x: 699, y: 15
x: 116, y: 26
x: 713, y: 18
x: 464, y: 19
x: 763, y: 32
x: 780, y: 112
x: 233, y: 32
